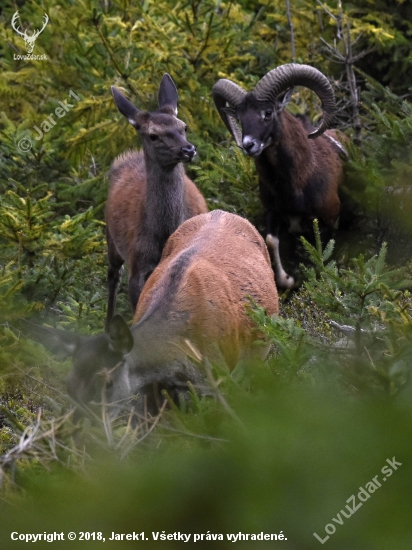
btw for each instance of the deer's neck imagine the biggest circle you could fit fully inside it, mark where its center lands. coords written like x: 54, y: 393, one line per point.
x: 165, y: 208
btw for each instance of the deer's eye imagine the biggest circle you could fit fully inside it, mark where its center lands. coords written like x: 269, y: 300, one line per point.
x: 153, y: 137
x: 268, y: 114
x: 186, y: 128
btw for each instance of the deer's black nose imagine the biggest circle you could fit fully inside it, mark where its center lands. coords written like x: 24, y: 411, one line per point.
x: 189, y: 151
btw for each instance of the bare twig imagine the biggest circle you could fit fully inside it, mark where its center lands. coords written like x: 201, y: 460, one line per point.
x: 38, y: 441
x: 326, y: 10
x: 152, y: 427
x: 292, y: 34
x: 26, y: 373
x: 347, y: 58
x: 196, y: 436
x: 208, y: 370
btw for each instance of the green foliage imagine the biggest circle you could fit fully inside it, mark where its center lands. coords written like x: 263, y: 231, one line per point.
x: 44, y: 251
x: 384, y: 158
x: 354, y: 323
x: 348, y: 294
x: 382, y: 29
x: 292, y: 348
x: 290, y: 465
x: 200, y: 469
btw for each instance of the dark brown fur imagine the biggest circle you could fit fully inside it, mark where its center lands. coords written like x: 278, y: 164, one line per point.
x: 302, y: 175
x: 299, y: 177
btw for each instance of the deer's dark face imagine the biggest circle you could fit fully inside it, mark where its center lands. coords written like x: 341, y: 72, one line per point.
x: 260, y: 124
x: 94, y: 368
x: 162, y: 133
x: 164, y: 138
x: 98, y: 361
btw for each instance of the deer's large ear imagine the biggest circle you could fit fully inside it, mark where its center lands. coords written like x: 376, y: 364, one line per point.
x: 167, y: 95
x: 120, y: 337
x: 61, y: 343
x: 125, y: 106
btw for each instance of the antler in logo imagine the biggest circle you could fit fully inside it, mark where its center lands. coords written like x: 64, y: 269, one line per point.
x: 29, y: 40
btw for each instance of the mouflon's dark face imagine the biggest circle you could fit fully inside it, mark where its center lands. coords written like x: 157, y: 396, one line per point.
x: 260, y: 125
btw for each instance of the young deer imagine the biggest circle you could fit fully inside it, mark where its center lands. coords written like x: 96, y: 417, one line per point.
x: 195, y: 298
x: 150, y: 194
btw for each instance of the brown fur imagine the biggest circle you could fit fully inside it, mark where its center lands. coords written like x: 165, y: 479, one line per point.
x: 126, y: 202
x: 150, y: 194
x: 298, y: 177
x: 299, y: 180
x: 312, y: 159
x: 227, y: 262
x: 196, y: 298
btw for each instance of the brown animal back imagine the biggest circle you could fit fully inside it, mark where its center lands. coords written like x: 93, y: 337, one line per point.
x: 227, y: 262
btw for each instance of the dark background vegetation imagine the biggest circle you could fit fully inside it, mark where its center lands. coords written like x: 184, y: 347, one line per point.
x: 298, y: 435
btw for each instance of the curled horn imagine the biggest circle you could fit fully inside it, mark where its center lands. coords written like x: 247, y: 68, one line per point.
x: 280, y: 79
x: 226, y: 91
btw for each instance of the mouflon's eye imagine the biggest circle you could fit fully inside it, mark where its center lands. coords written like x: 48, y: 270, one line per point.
x: 268, y: 113
x: 153, y: 137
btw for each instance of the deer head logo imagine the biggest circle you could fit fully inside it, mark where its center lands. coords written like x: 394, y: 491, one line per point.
x: 28, y: 40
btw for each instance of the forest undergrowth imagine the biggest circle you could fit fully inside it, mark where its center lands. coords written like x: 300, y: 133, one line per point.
x: 336, y: 388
